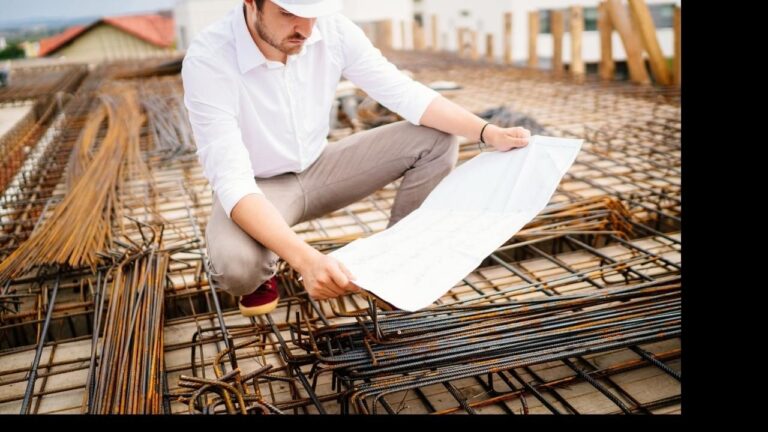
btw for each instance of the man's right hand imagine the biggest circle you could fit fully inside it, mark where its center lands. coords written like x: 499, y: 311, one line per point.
x: 325, y: 277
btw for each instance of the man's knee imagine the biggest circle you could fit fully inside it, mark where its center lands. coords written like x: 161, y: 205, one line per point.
x: 240, y: 272
x: 450, y: 147
x: 446, y: 148
x: 439, y: 142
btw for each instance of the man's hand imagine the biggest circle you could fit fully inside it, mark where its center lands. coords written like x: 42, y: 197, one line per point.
x: 504, y: 139
x: 325, y: 277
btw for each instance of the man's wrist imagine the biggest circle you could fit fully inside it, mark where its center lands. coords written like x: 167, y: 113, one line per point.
x: 489, y: 135
x: 304, y: 255
x: 482, y: 133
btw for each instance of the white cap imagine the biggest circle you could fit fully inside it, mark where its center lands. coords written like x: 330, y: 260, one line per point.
x: 310, y: 8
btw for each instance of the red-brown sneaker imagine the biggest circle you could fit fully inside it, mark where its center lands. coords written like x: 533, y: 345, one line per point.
x: 262, y: 301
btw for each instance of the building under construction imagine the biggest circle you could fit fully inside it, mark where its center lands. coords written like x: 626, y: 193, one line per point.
x: 107, y: 306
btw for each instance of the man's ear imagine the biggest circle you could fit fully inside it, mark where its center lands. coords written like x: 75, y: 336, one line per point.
x: 250, y: 6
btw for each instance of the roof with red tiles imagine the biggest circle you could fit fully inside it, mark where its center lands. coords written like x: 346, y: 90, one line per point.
x: 155, y: 29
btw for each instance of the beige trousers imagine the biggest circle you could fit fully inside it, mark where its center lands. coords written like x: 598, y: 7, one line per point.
x: 347, y: 171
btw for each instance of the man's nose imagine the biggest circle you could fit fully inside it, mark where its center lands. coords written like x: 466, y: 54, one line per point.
x: 304, y: 26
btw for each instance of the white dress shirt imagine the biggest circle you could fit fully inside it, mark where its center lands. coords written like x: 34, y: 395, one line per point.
x: 255, y: 117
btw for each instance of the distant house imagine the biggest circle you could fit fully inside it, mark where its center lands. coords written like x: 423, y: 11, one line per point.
x: 113, y: 38
x: 31, y: 48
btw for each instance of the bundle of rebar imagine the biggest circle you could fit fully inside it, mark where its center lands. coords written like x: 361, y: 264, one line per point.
x: 166, y: 116
x: 81, y: 225
x: 31, y: 83
x: 34, y: 188
x: 130, y: 372
x: 398, y: 351
x: 47, y: 88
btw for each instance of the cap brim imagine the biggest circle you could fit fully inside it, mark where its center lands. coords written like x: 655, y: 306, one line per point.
x: 323, y: 8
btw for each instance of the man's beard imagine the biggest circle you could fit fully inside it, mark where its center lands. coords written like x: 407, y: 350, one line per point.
x: 285, y: 47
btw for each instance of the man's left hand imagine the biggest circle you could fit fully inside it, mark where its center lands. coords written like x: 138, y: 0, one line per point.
x: 504, y: 139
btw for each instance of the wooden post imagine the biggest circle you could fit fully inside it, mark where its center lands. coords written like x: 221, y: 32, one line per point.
x: 435, y: 34
x: 403, y: 45
x: 607, y: 67
x: 489, y: 47
x: 387, y: 31
x: 533, y: 36
x: 507, y: 42
x: 474, y: 53
x: 659, y: 67
x: 460, y: 38
x: 373, y: 31
x: 678, y: 46
x: 556, y: 24
x: 418, y: 36
x: 621, y: 21
x: 577, y: 28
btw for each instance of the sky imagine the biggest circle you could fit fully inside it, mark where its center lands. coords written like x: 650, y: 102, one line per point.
x: 15, y: 10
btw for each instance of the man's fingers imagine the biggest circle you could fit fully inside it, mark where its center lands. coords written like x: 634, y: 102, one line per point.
x: 334, y: 288
x: 352, y: 287
x: 515, y: 143
x: 334, y: 280
x: 518, y: 132
x: 338, y: 276
x: 320, y: 288
x: 521, y: 132
x: 323, y: 293
x: 346, y: 271
x: 318, y: 293
x: 517, y: 139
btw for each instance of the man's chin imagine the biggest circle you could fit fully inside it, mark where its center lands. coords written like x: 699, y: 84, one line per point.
x: 291, y: 48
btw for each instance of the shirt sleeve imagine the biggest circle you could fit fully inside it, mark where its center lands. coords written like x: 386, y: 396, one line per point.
x: 211, y: 98
x: 366, y: 67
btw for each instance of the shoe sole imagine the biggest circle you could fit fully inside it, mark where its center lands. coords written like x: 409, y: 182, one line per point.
x: 258, y: 310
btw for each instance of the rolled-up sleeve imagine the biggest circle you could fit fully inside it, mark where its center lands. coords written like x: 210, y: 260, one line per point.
x: 211, y: 98
x: 367, y: 68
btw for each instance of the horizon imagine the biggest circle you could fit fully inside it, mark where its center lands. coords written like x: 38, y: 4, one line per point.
x: 19, y: 12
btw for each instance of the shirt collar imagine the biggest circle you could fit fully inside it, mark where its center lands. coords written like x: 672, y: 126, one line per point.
x: 249, y: 55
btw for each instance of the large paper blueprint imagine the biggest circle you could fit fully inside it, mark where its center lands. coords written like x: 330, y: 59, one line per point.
x: 473, y: 211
